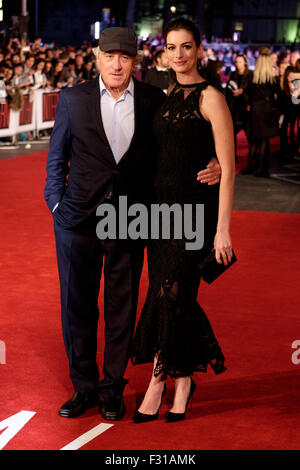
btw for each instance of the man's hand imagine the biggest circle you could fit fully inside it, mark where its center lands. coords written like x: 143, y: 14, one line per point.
x: 212, y: 174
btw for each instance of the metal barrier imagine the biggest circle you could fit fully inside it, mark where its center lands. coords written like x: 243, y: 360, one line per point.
x: 37, y: 114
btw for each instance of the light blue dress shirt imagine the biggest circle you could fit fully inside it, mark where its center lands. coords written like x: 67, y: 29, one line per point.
x: 118, y: 118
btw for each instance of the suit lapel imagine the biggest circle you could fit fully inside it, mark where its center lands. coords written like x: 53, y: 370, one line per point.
x: 96, y: 118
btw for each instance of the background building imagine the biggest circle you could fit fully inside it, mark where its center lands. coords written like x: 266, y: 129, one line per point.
x: 259, y: 20
x: 69, y: 21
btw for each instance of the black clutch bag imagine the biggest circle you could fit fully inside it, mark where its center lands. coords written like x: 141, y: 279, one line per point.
x: 211, y: 269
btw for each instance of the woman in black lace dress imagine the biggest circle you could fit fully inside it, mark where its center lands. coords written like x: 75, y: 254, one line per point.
x: 173, y: 330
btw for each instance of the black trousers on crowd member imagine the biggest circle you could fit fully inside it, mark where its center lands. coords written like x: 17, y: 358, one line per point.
x: 287, y: 149
x: 259, y: 156
x: 237, y: 128
x: 81, y: 257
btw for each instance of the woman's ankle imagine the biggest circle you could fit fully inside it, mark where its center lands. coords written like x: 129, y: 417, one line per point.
x: 182, y: 390
x: 153, y: 396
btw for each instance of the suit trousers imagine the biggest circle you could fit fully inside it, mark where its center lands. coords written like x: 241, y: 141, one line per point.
x: 81, y: 256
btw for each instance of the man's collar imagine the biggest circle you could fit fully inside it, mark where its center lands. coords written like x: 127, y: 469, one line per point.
x: 129, y: 89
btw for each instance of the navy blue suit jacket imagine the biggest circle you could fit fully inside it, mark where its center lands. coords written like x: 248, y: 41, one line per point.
x: 81, y: 168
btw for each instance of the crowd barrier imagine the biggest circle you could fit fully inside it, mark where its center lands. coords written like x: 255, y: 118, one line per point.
x: 38, y: 113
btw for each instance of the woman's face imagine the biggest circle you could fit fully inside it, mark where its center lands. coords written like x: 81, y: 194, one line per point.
x: 18, y: 70
x: 41, y: 66
x: 290, y: 78
x: 240, y: 63
x: 8, y: 73
x: 182, y: 51
x: 282, y: 67
x: 59, y: 67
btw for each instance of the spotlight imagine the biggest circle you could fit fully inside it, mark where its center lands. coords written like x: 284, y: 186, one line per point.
x: 97, y: 30
x: 173, y: 9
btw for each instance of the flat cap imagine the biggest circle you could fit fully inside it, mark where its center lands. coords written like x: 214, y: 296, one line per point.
x: 117, y: 39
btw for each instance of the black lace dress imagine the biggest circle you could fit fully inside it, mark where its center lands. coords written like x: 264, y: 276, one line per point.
x: 172, y: 324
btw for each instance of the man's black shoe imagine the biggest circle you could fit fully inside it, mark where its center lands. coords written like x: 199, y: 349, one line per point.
x: 78, y: 404
x: 112, y: 406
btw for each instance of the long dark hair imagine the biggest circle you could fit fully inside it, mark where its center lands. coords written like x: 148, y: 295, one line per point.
x: 183, y: 23
x: 245, y: 61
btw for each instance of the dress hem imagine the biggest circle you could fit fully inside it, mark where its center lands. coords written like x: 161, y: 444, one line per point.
x: 218, y: 368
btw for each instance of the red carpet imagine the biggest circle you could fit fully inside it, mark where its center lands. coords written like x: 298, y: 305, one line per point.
x: 254, y: 310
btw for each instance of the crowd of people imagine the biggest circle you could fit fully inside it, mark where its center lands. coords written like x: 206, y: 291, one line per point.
x: 231, y: 68
x: 32, y: 66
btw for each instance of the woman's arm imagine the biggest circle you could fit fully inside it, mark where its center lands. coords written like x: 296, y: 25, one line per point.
x: 214, y: 108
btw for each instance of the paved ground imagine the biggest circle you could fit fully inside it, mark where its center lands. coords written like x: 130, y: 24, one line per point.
x: 279, y: 193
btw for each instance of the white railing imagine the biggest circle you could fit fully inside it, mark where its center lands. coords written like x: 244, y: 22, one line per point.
x: 38, y: 113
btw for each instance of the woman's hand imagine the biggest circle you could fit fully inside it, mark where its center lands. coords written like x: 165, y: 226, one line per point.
x: 223, y: 247
x: 238, y: 92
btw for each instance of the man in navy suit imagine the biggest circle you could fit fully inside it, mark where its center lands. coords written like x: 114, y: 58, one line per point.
x: 102, y: 147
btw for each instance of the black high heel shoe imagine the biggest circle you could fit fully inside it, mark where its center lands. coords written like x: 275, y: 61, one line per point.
x: 173, y: 417
x: 145, y: 418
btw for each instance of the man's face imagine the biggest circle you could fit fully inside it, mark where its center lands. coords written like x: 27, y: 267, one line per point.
x: 116, y: 68
x: 164, y: 60
x: 79, y: 60
x: 294, y: 57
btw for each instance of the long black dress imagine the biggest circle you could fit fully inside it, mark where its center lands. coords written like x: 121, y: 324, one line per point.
x: 172, y: 323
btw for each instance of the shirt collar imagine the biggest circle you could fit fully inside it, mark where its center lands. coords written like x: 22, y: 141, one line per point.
x: 129, y: 89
